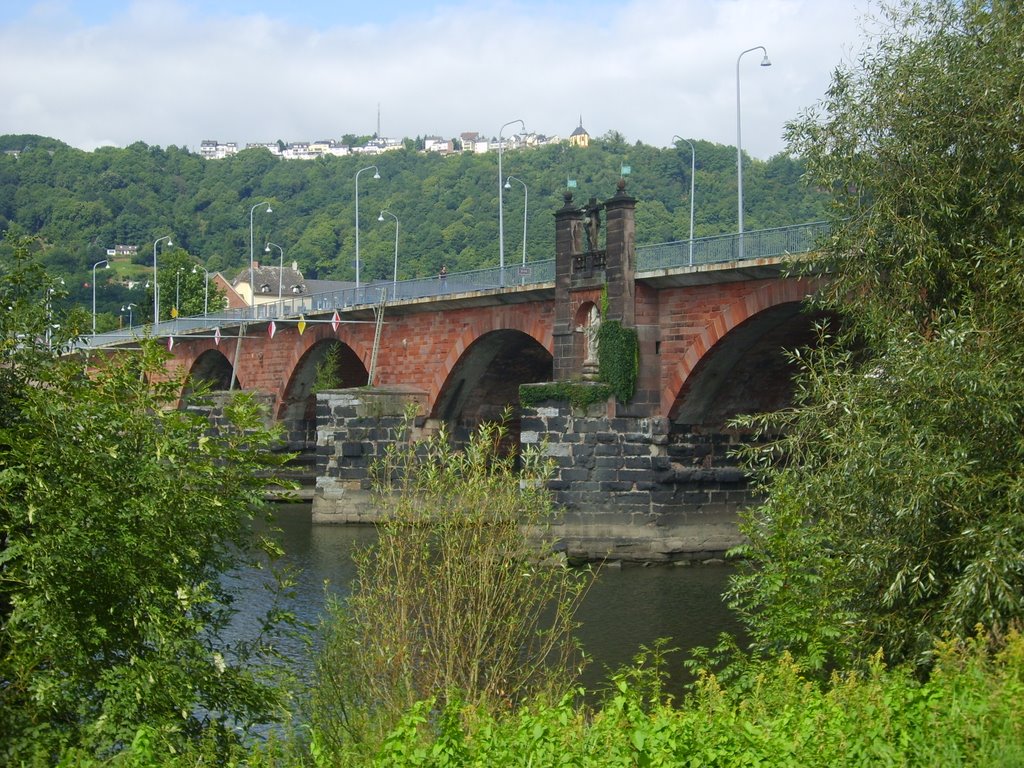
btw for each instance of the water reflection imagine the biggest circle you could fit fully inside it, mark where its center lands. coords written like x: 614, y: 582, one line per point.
x: 626, y: 608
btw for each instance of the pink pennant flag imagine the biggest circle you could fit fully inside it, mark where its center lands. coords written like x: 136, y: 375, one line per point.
x: 335, y: 321
x: 272, y: 328
x: 170, y: 343
x: 216, y: 336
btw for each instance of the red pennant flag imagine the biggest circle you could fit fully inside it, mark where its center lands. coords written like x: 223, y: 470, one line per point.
x: 272, y: 328
x: 335, y: 321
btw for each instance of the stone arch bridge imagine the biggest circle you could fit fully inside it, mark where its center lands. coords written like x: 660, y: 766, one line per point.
x: 652, y: 479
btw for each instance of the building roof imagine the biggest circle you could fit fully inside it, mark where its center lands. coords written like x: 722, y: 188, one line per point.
x: 266, y: 279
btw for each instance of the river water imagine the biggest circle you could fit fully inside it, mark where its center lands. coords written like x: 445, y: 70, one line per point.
x: 626, y: 608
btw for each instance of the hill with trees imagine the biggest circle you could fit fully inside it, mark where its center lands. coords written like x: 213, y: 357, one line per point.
x: 82, y: 203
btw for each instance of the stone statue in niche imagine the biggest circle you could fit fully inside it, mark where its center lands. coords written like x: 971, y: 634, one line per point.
x: 591, y: 360
x: 592, y: 217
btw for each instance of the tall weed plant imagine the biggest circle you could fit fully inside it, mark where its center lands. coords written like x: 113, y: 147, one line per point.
x: 460, y: 600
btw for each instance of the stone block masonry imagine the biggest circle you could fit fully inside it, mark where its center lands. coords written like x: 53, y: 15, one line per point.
x: 628, y: 490
x: 354, y: 426
x: 625, y: 488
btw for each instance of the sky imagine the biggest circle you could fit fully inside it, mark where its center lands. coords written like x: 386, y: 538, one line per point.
x: 112, y: 72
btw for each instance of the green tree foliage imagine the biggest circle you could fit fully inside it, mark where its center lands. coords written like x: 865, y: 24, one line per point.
x: 183, y: 286
x: 458, y: 600
x: 119, y: 514
x: 896, y: 513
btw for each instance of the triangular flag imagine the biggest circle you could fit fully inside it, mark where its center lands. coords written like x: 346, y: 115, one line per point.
x: 174, y: 311
x: 272, y: 328
x: 302, y: 324
x: 170, y: 343
x: 335, y: 321
x: 216, y: 336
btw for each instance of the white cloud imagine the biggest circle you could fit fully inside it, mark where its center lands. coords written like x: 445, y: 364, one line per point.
x: 168, y: 72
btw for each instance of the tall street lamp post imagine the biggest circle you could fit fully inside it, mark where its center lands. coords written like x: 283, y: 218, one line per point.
x: 206, y: 286
x: 252, y: 288
x: 394, y: 278
x: 376, y: 175
x: 526, y: 201
x: 128, y: 308
x: 50, y: 325
x: 739, y: 150
x: 156, y: 285
x: 106, y: 265
x: 501, y: 211
x: 280, y: 268
x: 177, y: 292
x: 693, y: 167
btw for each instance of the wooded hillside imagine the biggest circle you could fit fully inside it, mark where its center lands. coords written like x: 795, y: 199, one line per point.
x: 82, y: 203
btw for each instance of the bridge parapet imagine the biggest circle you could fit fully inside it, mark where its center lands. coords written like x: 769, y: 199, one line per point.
x: 719, y: 249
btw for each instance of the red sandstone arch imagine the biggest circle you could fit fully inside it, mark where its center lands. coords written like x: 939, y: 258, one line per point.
x: 212, y: 367
x: 719, y: 324
x: 487, y: 376
x: 295, y: 400
x: 534, y: 324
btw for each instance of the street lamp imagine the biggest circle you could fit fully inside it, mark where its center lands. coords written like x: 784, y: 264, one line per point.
x: 693, y: 165
x: 128, y: 308
x: 526, y: 200
x: 106, y: 265
x: 156, y: 285
x: 394, y: 279
x: 501, y: 213
x: 177, y: 292
x: 206, y: 287
x: 280, y: 269
x: 376, y: 175
x: 50, y: 325
x: 739, y: 150
x: 252, y: 288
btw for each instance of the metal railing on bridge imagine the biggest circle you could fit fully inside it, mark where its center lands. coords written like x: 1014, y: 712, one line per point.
x: 719, y: 249
x: 757, y: 244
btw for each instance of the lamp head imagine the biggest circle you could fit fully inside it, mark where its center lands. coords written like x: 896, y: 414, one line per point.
x: 269, y: 209
x: 508, y: 184
x: 381, y: 217
x: 267, y: 249
x: 376, y: 175
x: 765, y: 62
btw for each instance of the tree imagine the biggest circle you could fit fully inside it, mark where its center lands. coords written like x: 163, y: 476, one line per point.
x: 894, y: 500
x: 119, y: 513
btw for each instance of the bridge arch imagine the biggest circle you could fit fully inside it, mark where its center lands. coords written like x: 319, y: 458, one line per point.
x: 486, y: 377
x: 731, y: 343
x: 212, y: 368
x: 747, y: 371
x: 328, y: 358
x: 535, y: 325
